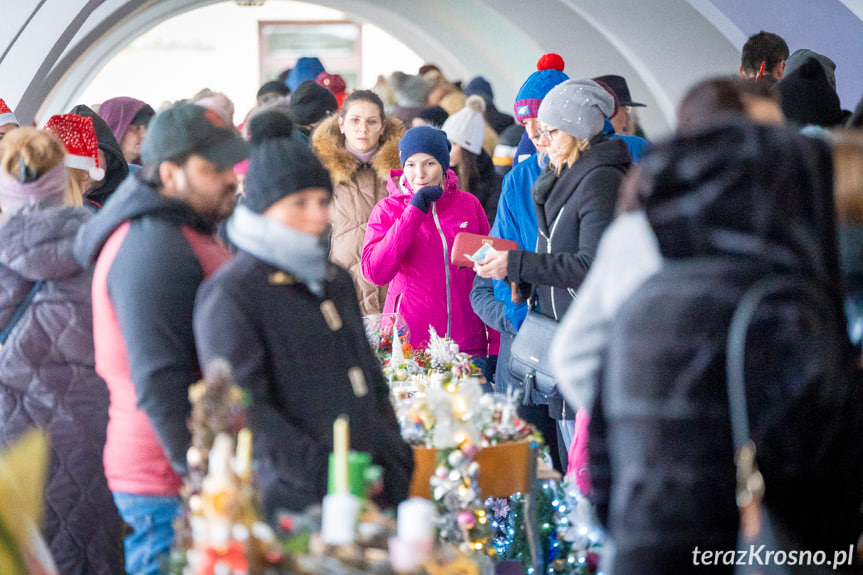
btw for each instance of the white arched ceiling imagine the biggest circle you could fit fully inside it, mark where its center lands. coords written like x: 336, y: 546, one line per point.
x: 51, y: 49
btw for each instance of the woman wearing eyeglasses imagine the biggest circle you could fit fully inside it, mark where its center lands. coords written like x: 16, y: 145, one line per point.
x: 359, y: 148
x: 574, y: 198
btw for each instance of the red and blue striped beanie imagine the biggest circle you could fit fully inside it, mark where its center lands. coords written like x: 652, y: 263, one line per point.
x: 549, y: 73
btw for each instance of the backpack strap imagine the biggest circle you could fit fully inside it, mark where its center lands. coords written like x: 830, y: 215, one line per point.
x: 19, y: 313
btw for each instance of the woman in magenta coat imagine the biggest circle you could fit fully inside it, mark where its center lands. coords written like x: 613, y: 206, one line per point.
x: 409, y: 241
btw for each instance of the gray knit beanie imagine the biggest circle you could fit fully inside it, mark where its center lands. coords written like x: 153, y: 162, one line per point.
x: 577, y: 107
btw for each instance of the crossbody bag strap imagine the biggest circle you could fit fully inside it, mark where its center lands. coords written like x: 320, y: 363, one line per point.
x: 19, y: 313
x: 750, y: 483
x: 736, y: 343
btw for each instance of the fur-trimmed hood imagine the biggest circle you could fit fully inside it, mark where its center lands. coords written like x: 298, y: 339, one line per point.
x: 329, y: 145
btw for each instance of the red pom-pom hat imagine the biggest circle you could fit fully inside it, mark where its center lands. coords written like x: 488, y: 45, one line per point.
x: 550, y: 61
x: 549, y: 73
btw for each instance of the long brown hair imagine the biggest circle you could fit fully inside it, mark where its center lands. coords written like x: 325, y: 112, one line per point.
x: 848, y: 176
x: 468, y: 170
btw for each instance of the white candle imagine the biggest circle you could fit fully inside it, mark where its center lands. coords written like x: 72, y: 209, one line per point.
x: 415, y: 518
x: 340, y: 449
x: 339, y: 518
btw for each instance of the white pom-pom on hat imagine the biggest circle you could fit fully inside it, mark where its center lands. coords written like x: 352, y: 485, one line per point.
x: 97, y: 174
x: 476, y: 103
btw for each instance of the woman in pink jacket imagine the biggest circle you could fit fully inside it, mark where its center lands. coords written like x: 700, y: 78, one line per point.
x: 409, y: 239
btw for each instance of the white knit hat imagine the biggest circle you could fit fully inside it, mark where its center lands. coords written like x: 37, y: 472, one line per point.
x: 79, y: 137
x: 467, y: 126
x: 6, y: 115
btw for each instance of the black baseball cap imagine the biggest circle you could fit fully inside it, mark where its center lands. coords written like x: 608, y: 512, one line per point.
x: 185, y: 129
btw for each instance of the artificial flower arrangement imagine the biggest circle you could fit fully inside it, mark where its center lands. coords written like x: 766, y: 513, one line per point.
x: 481, y: 450
x: 462, y: 429
x: 446, y: 406
x: 450, y: 422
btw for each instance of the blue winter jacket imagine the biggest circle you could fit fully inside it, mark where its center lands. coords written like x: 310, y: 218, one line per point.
x: 637, y: 146
x: 515, y: 220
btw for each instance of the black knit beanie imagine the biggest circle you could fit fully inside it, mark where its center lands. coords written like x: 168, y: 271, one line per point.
x: 279, y: 165
x: 311, y: 103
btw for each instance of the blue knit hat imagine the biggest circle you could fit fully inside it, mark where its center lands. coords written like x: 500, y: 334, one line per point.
x: 549, y: 73
x: 479, y: 85
x: 425, y: 140
x: 306, y: 68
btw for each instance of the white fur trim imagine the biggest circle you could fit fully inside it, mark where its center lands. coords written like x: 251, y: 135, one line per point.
x: 8, y: 118
x: 80, y: 162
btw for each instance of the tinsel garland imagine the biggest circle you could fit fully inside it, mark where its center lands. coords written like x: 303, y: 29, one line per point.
x: 569, y: 536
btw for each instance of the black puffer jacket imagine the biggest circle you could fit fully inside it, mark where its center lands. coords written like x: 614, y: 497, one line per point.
x: 729, y: 206
x: 48, y: 380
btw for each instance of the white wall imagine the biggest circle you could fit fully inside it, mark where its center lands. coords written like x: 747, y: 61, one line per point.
x: 217, y: 47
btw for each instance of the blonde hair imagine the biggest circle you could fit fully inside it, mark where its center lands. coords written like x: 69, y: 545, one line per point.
x: 573, y: 150
x: 848, y: 176
x: 75, y: 189
x: 40, y: 151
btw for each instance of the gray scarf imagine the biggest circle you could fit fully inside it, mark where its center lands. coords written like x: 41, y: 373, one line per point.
x: 304, y: 256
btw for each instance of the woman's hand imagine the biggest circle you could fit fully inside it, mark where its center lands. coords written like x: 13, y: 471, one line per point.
x: 424, y: 197
x: 494, y: 266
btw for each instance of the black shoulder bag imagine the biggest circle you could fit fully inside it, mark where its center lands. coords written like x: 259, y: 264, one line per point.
x: 529, y: 362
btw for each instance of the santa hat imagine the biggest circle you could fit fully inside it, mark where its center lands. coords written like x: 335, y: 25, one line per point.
x: 6, y: 115
x: 79, y: 136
